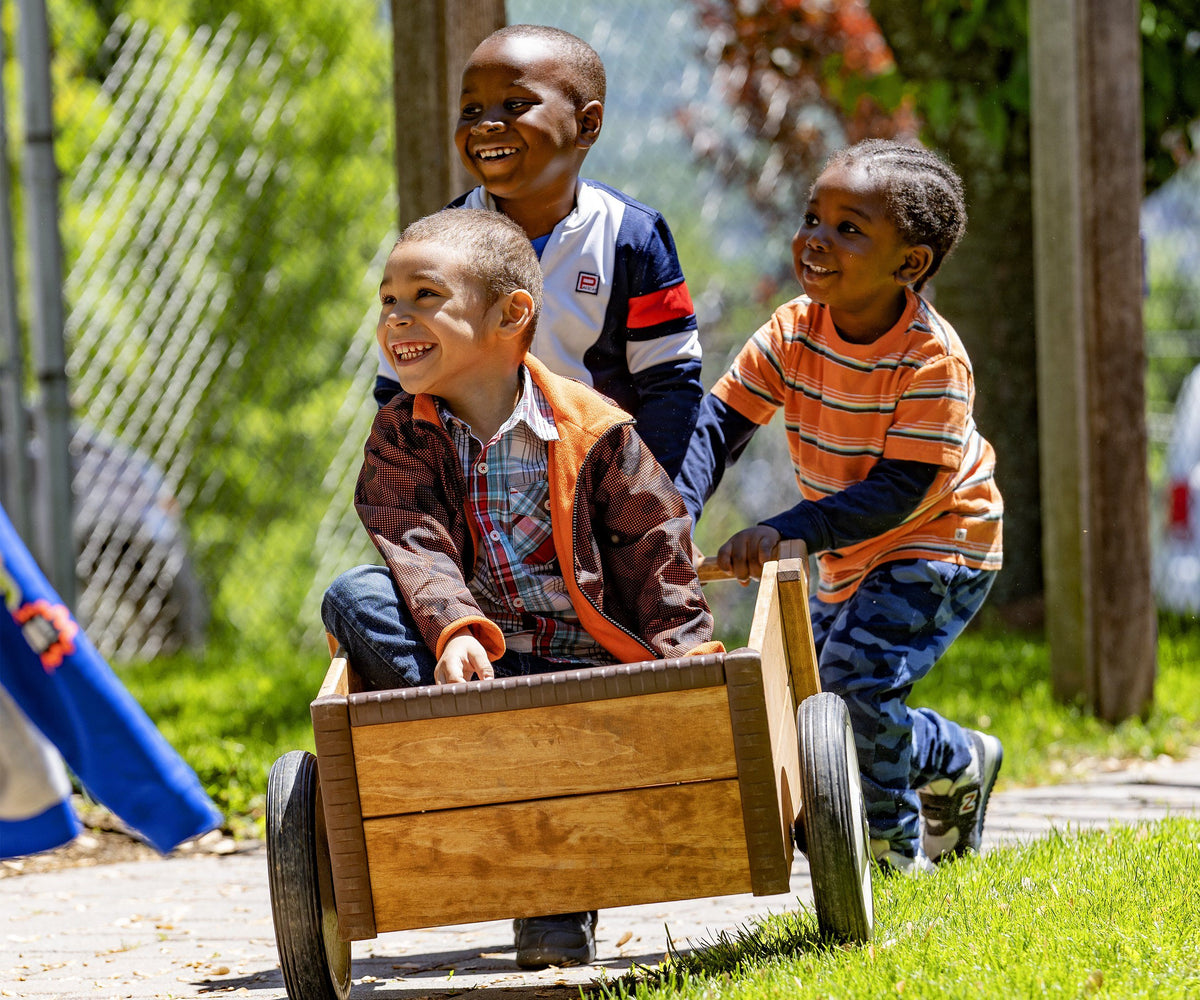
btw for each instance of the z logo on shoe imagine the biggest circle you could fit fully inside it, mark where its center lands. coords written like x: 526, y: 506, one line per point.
x: 970, y: 800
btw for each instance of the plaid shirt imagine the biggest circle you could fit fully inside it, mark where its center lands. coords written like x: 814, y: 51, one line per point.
x: 518, y: 582
x: 620, y: 527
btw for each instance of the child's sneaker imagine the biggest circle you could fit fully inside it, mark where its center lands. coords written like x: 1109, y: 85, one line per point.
x: 560, y: 939
x: 892, y: 862
x: 952, y: 810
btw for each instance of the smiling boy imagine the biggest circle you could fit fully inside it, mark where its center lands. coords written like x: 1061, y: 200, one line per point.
x: 897, y: 486
x: 526, y: 528
x: 617, y: 314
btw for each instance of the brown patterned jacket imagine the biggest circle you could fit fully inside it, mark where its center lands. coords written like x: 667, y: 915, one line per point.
x: 618, y: 523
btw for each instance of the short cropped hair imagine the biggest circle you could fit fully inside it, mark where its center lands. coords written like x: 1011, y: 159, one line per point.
x: 498, y: 251
x: 582, y: 68
x: 923, y: 195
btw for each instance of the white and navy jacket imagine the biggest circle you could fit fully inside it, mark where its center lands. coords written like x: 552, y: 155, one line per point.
x: 616, y: 314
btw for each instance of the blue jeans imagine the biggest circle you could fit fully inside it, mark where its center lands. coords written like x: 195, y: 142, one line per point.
x: 365, y: 612
x: 871, y: 649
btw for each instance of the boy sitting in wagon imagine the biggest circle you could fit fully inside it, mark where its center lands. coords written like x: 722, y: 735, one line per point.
x: 524, y: 525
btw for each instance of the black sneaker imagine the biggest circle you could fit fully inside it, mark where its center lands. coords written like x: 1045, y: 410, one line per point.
x: 953, y: 810
x: 561, y: 939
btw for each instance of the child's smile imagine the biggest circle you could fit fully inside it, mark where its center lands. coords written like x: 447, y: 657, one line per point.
x: 489, y: 153
x: 410, y: 352
x: 850, y: 257
x: 519, y: 132
x: 431, y: 320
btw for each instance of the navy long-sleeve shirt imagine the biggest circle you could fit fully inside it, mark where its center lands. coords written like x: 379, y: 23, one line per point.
x: 890, y: 493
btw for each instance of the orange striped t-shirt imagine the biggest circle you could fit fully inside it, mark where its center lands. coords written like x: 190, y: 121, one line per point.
x: 907, y: 395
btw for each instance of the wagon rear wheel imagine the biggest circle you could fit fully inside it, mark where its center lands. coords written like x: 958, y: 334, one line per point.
x: 314, y: 960
x: 834, y: 819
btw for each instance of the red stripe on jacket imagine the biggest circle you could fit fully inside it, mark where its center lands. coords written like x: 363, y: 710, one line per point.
x: 660, y: 307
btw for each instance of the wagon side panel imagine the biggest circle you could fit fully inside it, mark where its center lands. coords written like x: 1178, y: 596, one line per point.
x: 343, y: 818
x: 557, y: 855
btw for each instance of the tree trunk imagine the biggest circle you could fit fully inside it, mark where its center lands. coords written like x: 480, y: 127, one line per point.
x: 986, y: 294
x: 985, y: 289
x: 432, y: 40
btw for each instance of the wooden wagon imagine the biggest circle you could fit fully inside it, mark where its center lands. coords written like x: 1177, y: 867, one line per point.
x: 592, y: 788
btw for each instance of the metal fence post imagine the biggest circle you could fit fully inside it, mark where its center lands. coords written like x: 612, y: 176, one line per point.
x: 52, y: 415
x: 14, y: 431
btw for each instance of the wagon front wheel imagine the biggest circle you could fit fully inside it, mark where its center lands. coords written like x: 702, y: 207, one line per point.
x: 834, y: 819
x: 314, y: 960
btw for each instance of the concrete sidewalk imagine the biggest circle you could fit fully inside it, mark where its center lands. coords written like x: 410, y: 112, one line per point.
x: 197, y: 926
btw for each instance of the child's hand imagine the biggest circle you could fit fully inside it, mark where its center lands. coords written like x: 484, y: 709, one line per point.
x: 744, y: 554
x: 463, y: 658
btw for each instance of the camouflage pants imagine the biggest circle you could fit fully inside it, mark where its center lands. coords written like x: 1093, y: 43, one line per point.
x: 871, y: 649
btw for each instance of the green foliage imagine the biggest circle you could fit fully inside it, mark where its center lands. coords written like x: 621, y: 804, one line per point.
x: 231, y: 713
x: 1171, y: 92
x: 300, y: 202
x: 1095, y: 914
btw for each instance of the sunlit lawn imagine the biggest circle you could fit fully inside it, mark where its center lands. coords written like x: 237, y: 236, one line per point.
x: 1104, y: 914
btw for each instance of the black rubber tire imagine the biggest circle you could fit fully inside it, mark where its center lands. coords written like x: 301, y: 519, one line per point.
x: 314, y: 960
x: 834, y: 820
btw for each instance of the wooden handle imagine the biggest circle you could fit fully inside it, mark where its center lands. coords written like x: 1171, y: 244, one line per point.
x: 708, y: 570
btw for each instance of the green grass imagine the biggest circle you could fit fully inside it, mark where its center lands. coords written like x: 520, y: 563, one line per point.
x: 999, y: 680
x: 231, y: 713
x: 1109, y: 913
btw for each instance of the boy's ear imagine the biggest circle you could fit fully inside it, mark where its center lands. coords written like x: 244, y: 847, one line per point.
x: 514, y: 313
x: 917, y: 260
x: 589, y: 119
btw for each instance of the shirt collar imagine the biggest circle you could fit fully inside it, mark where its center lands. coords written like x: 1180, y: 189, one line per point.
x: 532, y: 409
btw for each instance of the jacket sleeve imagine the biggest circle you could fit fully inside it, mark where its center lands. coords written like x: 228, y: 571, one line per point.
x: 669, y: 400
x: 644, y: 535
x: 405, y: 498
x: 662, y: 345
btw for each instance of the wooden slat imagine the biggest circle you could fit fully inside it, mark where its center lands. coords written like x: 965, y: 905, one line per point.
x: 343, y: 817
x: 562, y: 687
x: 461, y: 761
x: 336, y: 680
x: 557, y: 855
x: 767, y: 637
x: 797, y: 629
x: 768, y: 842
x: 781, y: 719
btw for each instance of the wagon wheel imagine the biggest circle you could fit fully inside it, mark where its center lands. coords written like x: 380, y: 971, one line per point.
x: 834, y: 819
x: 314, y: 960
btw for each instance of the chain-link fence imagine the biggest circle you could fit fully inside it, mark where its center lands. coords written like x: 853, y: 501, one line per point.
x: 227, y: 204
x: 219, y: 432
x: 218, y: 218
